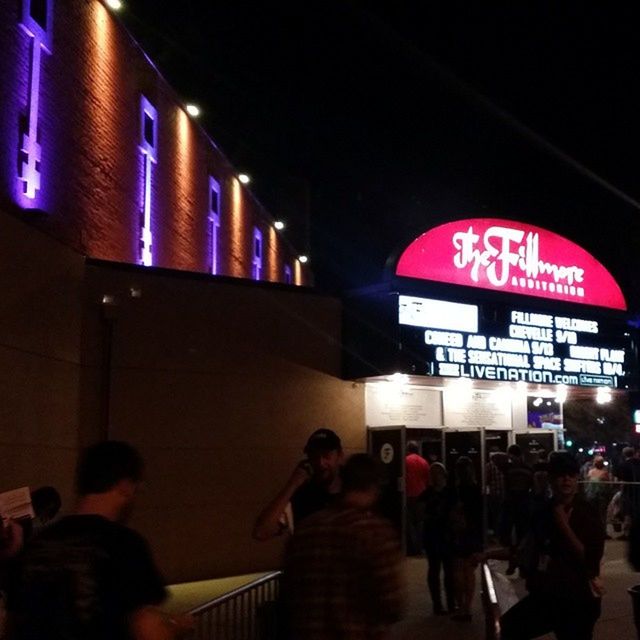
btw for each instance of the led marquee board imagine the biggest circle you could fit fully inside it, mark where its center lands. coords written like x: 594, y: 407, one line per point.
x: 511, y: 343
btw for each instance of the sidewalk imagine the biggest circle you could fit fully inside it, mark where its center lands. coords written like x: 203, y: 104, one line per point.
x: 616, y: 621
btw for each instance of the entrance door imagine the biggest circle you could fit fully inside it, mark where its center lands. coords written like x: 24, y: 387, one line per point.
x: 387, y: 444
x: 463, y: 443
x: 534, y: 443
x: 495, y: 439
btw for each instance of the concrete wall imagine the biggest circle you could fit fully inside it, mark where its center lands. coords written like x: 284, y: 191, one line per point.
x: 40, y: 363
x: 219, y: 384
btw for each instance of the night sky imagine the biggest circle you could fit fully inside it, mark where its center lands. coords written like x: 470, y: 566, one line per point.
x: 397, y: 118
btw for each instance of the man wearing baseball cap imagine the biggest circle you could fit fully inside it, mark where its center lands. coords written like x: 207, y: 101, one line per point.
x: 313, y: 485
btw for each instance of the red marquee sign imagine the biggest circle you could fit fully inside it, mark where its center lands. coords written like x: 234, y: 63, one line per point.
x: 502, y: 255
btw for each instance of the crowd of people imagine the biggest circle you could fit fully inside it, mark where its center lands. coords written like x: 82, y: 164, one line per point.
x: 342, y: 562
x: 87, y: 575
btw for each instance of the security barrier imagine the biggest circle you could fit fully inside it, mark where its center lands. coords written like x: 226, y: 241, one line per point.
x: 250, y: 612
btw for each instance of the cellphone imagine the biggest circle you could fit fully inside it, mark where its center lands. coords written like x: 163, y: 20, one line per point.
x: 306, y: 465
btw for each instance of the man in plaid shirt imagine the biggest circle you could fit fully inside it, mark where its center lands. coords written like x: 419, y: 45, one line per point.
x: 343, y: 566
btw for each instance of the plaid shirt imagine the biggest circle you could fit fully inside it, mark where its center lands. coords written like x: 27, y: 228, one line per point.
x: 495, y: 480
x: 343, y: 576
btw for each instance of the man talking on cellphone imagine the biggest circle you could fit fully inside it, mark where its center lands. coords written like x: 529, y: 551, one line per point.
x: 314, y: 484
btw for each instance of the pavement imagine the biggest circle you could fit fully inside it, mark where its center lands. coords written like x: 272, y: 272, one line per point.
x: 616, y: 621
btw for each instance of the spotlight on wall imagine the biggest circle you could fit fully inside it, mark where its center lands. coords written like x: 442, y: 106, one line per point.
x: 116, y: 5
x: 279, y: 225
x: 193, y: 110
x: 244, y: 178
x: 303, y: 259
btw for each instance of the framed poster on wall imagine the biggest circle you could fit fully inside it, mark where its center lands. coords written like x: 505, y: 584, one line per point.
x: 389, y: 404
x: 466, y: 408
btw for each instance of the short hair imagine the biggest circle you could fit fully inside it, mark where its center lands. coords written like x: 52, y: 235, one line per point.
x: 514, y: 450
x: 360, y: 473
x: 412, y: 447
x: 46, y: 501
x: 628, y: 452
x: 103, y: 465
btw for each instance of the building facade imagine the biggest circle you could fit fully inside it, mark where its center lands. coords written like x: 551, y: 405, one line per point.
x: 148, y: 296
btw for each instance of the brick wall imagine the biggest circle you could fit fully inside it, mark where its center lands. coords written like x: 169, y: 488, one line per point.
x: 89, y: 131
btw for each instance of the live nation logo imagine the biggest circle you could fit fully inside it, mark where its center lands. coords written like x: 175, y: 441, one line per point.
x: 504, y: 255
x: 512, y: 257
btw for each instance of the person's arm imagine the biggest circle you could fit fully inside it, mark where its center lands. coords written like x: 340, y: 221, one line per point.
x: 269, y: 523
x: 562, y: 516
x: 149, y: 623
x: 12, y: 539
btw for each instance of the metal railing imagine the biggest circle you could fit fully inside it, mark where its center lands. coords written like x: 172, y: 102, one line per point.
x: 248, y: 613
x: 490, y: 604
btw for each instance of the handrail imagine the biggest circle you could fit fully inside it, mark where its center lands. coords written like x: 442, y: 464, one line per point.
x: 249, y: 612
x: 491, y: 604
x: 216, y: 602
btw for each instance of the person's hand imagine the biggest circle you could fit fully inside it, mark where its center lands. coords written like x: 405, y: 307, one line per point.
x: 12, y: 538
x: 301, y: 474
x: 182, y: 623
x: 562, y: 514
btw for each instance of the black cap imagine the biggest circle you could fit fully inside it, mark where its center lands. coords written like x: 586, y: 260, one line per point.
x: 562, y: 463
x: 323, y: 440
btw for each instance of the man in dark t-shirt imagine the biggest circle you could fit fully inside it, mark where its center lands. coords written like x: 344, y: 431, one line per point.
x: 313, y: 485
x: 89, y: 576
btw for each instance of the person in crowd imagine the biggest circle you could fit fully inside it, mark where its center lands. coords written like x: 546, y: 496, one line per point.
x: 46, y: 503
x: 563, y: 567
x: 494, y: 471
x: 314, y: 483
x: 343, y: 565
x: 438, y: 500
x: 517, y: 504
x: 629, y: 474
x: 598, y: 490
x: 88, y: 575
x: 465, y: 524
x: 417, y: 480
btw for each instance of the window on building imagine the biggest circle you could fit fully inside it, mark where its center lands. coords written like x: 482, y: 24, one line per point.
x: 38, y: 9
x: 257, y: 254
x: 149, y: 157
x: 214, y: 223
